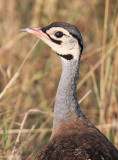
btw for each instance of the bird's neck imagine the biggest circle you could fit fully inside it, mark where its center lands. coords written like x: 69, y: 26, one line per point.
x: 66, y: 105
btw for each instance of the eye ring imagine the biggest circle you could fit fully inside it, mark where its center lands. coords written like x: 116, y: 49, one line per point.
x: 59, y: 34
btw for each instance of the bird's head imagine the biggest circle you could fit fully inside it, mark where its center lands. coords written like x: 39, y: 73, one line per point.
x: 65, y: 39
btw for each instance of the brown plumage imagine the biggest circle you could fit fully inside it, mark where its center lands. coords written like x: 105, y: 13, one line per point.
x: 73, y: 136
x: 78, y: 141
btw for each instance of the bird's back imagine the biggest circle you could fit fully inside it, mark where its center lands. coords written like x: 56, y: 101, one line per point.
x: 80, y: 141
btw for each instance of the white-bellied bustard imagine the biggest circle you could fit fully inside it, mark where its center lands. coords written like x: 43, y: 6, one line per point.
x: 73, y: 136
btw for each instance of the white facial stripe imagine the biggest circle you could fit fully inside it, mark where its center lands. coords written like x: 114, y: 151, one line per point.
x: 68, y: 46
x: 53, y: 30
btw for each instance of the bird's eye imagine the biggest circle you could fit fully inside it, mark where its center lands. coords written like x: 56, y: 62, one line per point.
x: 59, y: 34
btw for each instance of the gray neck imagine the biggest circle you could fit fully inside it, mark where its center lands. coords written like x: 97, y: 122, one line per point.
x: 66, y: 104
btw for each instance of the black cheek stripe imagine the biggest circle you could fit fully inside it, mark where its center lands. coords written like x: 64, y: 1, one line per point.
x: 68, y: 56
x: 54, y: 40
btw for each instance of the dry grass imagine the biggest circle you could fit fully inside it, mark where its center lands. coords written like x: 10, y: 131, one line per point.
x: 30, y: 71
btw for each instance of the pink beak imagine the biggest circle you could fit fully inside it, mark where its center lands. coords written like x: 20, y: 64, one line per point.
x: 36, y: 31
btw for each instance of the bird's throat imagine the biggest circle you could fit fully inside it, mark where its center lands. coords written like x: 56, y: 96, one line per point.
x: 66, y: 105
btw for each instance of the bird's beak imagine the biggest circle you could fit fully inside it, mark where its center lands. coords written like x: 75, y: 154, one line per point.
x: 36, y: 31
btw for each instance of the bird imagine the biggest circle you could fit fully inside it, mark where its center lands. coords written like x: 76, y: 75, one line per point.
x: 73, y: 136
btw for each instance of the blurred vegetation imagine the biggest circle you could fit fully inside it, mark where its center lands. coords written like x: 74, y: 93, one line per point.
x: 29, y: 76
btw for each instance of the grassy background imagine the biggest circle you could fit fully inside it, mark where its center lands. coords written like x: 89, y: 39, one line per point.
x: 30, y: 71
